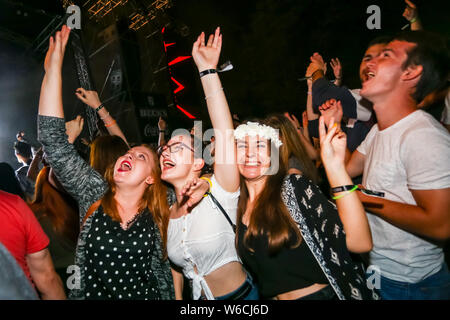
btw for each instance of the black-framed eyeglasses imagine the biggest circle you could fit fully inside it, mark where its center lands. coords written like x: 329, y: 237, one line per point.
x: 173, y: 148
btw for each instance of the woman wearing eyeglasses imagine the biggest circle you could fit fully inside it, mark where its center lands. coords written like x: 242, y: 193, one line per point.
x: 200, y: 240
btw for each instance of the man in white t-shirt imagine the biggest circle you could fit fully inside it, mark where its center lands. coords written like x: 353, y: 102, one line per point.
x: 407, y: 156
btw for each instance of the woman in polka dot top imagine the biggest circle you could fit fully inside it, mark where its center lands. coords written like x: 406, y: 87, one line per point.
x: 120, y: 253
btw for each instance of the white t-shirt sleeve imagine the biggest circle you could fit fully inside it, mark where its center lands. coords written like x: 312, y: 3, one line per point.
x: 425, y: 154
x: 445, y: 119
x: 363, y: 148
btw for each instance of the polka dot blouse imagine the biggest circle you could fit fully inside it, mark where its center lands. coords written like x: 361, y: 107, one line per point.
x: 118, y: 261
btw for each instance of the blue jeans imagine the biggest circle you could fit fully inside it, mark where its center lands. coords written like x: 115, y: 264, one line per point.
x: 435, y: 287
x: 250, y: 287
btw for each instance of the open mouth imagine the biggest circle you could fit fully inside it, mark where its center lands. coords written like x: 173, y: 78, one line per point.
x: 125, y: 166
x: 368, y: 75
x: 252, y: 164
x: 168, y: 164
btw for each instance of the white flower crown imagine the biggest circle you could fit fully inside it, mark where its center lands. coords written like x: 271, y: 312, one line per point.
x: 256, y: 129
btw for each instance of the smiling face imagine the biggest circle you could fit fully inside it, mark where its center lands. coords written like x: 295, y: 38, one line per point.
x: 177, y: 159
x: 386, y: 71
x: 371, y: 53
x: 135, y: 167
x: 253, y: 157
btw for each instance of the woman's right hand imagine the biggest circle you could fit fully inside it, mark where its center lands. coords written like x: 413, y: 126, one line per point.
x: 57, y: 47
x: 88, y: 97
x: 207, y: 56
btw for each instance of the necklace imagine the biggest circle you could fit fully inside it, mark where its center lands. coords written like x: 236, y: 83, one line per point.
x: 127, y: 225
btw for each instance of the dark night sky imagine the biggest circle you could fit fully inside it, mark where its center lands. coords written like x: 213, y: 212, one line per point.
x: 269, y: 43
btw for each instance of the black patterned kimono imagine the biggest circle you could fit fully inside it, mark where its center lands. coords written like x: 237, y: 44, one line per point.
x: 104, y: 252
x: 322, y: 230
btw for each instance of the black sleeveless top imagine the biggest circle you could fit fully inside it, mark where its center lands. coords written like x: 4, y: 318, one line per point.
x: 287, y: 270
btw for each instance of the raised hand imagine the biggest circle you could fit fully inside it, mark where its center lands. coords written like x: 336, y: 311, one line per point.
x: 74, y: 128
x: 195, y: 189
x: 88, y: 97
x: 317, y: 59
x: 207, y: 56
x: 332, y: 144
x: 293, y: 119
x: 162, y: 125
x: 410, y: 11
x: 332, y: 109
x: 57, y: 47
x: 337, y: 68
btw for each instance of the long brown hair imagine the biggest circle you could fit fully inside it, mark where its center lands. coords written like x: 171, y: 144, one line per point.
x: 292, y: 145
x: 105, y: 150
x: 154, y: 198
x: 58, y: 206
x: 269, y: 217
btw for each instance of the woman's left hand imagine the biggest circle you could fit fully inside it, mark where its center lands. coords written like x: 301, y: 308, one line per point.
x: 207, y: 56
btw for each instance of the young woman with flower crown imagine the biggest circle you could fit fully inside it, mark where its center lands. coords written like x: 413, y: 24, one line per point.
x: 289, y: 236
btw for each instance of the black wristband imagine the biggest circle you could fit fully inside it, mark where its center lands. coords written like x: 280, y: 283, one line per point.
x: 99, y: 108
x: 342, y: 188
x: 208, y: 71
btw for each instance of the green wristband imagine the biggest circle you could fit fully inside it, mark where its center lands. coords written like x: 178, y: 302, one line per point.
x: 343, y: 195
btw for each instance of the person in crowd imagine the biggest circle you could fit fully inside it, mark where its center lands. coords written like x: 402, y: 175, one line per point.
x: 120, y: 253
x: 303, y: 134
x: 24, y: 156
x: 14, y: 285
x: 290, y: 237
x: 57, y: 213
x: 292, y: 150
x: 24, y: 238
x: 405, y: 156
x: 105, y: 150
x: 200, y: 240
x: 9, y: 182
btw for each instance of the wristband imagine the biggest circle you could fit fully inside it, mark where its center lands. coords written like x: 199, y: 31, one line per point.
x: 208, y: 71
x: 413, y: 20
x: 344, y: 188
x: 99, y: 108
x: 210, y: 185
x: 110, y: 124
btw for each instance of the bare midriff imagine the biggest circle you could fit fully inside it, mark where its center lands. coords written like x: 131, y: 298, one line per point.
x: 226, y: 279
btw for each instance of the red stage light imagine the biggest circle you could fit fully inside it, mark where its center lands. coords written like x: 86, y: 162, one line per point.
x: 179, y: 59
x: 190, y: 116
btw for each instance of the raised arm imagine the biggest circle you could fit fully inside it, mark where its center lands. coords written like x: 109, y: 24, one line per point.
x: 77, y: 177
x: 350, y: 208
x: 206, y: 57
x: 412, y: 15
x: 92, y: 100
x: 337, y: 71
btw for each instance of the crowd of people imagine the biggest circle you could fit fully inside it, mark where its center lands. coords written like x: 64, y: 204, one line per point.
x: 285, y: 211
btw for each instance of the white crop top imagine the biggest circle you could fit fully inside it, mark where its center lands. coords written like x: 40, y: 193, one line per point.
x: 204, y: 238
